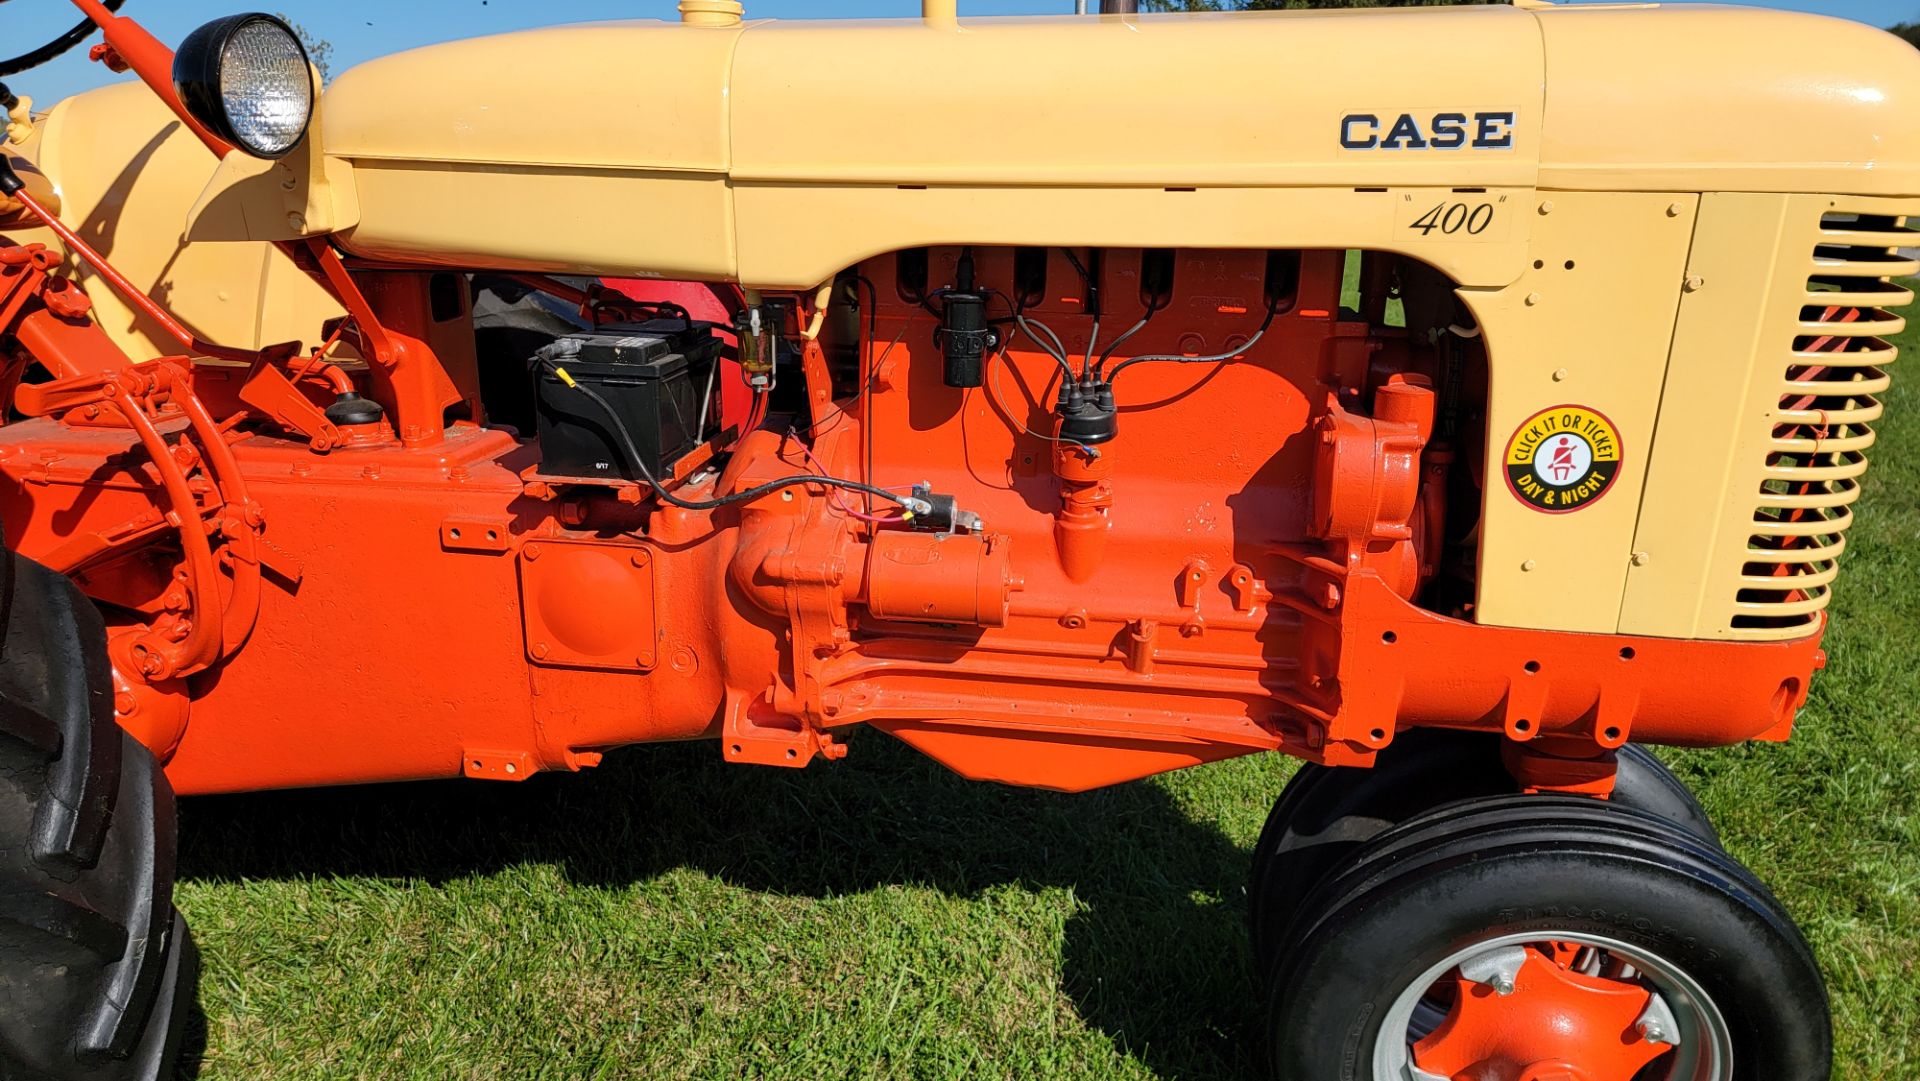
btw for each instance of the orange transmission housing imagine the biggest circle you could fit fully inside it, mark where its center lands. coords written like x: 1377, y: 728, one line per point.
x: 1254, y: 562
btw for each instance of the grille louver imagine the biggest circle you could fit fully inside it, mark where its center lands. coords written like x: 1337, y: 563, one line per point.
x: 1824, y: 421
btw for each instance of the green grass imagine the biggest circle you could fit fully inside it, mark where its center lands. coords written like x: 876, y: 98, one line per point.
x: 669, y: 916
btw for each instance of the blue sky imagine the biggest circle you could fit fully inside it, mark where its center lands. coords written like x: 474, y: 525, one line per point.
x: 362, y: 29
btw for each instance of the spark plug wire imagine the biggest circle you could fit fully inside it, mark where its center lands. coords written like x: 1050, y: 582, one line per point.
x: 1177, y: 358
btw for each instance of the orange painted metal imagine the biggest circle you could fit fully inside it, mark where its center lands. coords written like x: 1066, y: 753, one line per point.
x: 1086, y: 499
x: 1554, y: 1025
x: 128, y: 46
x: 937, y: 578
x: 1238, y: 571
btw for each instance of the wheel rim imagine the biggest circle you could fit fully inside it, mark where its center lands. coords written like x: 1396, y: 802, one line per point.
x: 1554, y: 1006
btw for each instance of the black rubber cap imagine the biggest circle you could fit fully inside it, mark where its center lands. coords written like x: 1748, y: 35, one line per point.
x: 10, y: 182
x: 350, y: 408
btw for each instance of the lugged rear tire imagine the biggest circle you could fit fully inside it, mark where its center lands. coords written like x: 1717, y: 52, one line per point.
x: 96, y: 967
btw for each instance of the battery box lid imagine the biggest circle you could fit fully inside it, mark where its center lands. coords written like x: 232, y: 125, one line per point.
x: 653, y: 349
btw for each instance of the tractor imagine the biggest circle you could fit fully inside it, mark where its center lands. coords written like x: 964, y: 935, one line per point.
x: 1497, y: 407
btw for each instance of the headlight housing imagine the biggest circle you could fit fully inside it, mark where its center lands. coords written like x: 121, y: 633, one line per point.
x: 246, y: 78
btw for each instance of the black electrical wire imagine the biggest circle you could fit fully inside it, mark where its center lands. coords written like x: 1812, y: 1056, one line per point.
x: 640, y: 466
x: 1093, y: 342
x: 1085, y: 278
x: 1107, y: 353
x: 57, y: 46
x: 1177, y: 358
x: 993, y: 395
x: 1057, y: 350
x: 873, y: 305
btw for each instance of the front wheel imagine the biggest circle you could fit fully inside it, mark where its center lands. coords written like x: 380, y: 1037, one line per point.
x: 1533, y: 938
x: 1326, y: 813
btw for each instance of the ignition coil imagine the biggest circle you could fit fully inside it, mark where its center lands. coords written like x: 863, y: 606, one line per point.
x: 965, y: 336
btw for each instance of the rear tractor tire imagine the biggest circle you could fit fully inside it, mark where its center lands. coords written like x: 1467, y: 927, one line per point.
x: 1537, y: 937
x: 96, y: 968
x: 1327, y: 813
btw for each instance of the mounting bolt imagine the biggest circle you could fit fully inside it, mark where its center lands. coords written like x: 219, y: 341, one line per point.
x: 1559, y: 375
x: 1528, y: 565
x: 1694, y: 284
x: 539, y: 651
x: 1546, y: 207
x: 1496, y: 969
x: 1533, y: 299
x: 1656, y: 1023
x: 1640, y: 559
x: 297, y: 221
x: 1674, y: 210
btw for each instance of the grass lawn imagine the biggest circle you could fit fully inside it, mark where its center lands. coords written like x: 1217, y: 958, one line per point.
x: 669, y: 916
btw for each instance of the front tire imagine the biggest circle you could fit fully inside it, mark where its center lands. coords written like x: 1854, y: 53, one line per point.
x: 1326, y: 813
x: 1536, y: 932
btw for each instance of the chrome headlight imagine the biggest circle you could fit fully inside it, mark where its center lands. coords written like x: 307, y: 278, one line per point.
x: 247, y: 80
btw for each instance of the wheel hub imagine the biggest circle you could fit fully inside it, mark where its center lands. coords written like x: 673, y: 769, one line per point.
x: 1524, y: 1014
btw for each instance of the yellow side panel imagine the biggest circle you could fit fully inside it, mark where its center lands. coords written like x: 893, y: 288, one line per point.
x: 1713, y: 98
x: 631, y: 95
x: 1589, y: 325
x: 1752, y: 258
x: 526, y: 217
x: 128, y: 174
x: 1242, y: 99
x: 797, y: 235
x: 1698, y: 493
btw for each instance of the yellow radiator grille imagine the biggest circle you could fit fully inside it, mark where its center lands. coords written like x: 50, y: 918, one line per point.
x: 1822, y: 426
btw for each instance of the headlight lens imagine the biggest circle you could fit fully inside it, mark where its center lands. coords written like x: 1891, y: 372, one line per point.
x: 246, y: 78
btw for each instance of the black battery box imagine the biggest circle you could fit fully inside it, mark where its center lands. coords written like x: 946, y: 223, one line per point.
x: 654, y: 374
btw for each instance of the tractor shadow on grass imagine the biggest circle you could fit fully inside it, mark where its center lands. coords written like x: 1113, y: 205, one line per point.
x: 1156, y: 956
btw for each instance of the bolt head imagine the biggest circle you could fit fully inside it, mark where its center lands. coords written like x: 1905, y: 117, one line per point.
x: 1502, y: 986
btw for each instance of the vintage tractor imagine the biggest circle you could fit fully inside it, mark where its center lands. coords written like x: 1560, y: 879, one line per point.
x: 1073, y: 399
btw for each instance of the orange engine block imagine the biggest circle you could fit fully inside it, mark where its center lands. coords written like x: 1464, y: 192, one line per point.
x: 1273, y: 552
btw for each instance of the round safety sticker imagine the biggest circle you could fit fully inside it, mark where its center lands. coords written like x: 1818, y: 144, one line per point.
x: 1562, y: 459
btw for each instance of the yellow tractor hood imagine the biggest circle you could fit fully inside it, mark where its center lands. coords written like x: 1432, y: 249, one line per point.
x: 777, y: 152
